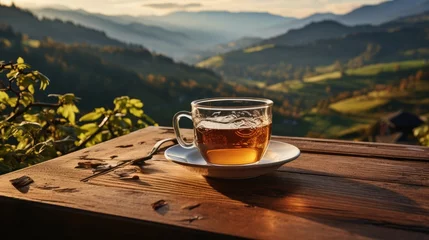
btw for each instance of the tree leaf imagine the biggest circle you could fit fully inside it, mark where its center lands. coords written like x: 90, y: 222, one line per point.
x: 136, y: 103
x: 11, y: 74
x: 121, y: 103
x: 26, y: 98
x: 136, y: 112
x: 100, y: 110
x: 20, y: 60
x: 68, y: 111
x: 97, y: 138
x: 12, y: 101
x: 31, y: 88
x: 44, y: 81
x: 4, y: 97
x: 92, y: 116
x: 89, y: 126
x: 31, y: 117
x: 128, y: 121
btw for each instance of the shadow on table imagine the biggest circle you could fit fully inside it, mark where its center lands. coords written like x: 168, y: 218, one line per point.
x: 279, y: 192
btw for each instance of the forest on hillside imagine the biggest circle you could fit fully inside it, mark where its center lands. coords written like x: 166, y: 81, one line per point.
x: 335, y: 84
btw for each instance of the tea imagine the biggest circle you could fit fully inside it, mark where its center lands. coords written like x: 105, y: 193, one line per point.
x: 225, y: 145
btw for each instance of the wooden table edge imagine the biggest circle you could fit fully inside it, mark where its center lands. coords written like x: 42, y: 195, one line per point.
x: 133, y: 226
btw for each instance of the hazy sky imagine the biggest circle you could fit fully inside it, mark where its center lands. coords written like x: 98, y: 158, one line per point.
x: 295, y: 8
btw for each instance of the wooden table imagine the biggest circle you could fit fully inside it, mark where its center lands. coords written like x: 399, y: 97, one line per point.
x: 334, y: 190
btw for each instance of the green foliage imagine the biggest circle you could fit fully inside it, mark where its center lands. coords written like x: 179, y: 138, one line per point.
x: 126, y: 116
x: 422, y: 134
x: 33, y: 131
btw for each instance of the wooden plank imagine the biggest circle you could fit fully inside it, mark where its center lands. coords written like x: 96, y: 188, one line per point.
x: 305, y: 200
x: 316, y: 196
x: 361, y: 168
x: 392, y: 151
x: 357, y: 167
x: 349, y: 148
x: 44, y: 221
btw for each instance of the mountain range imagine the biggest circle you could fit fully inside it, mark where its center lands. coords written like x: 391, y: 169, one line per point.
x: 303, y: 68
x: 89, y: 63
x: 222, y: 48
x: 155, y: 38
x: 67, y: 32
x: 178, y: 34
x: 368, y: 14
x: 232, y: 24
x: 188, y: 36
x: 298, y: 52
x: 316, y: 31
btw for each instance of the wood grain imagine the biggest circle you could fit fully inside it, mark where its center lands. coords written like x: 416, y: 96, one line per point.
x: 391, y: 151
x: 316, y: 196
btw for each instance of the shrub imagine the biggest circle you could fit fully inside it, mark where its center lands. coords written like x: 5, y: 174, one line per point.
x: 33, y: 131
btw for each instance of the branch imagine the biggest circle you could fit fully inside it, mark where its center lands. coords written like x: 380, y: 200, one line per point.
x: 100, y: 128
x: 43, y: 130
x: 17, y: 114
x: 4, y: 89
x: 35, y: 104
x: 43, y: 104
x: 109, y: 126
x: 18, y: 95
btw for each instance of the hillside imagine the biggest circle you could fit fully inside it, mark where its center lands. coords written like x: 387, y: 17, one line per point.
x: 283, y: 27
x: 384, y: 12
x: 177, y: 34
x: 417, y: 21
x: 317, y: 31
x: 98, y: 74
x: 171, y: 43
x: 278, y: 62
x: 200, y: 55
x: 205, y: 37
x: 67, y: 32
x: 234, y: 24
x: 367, y: 14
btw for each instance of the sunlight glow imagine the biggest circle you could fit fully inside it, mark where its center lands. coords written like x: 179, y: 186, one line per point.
x: 292, y: 8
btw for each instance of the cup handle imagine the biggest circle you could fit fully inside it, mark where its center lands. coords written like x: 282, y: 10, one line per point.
x: 176, y: 128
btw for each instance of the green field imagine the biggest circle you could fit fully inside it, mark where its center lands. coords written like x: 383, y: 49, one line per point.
x: 328, y: 84
x: 258, y: 48
x: 286, y: 86
x: 369, y: 70
x: 216, y: 61
x: 327, y: 126
x: 322, y: 77
x: 247, y: 82
x: 348, y: 118
x: 387, y: 67
x: 358, y: 104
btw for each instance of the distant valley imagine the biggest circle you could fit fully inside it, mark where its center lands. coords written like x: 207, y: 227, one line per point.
x: 187, y: 36
x: 329, y: 75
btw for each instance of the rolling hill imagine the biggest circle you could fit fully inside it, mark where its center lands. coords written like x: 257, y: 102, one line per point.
x: 384, y: 12
x: 368, y: 14
x: 316, y: 31
x: 321, y: 87
x: 97, y: 74
x: 67, y: 32
x: 272, y: 62
x: 200, y: 55
x: 177, y: 34
x: 234, y: 24
x: 283, y: 27
x: 204, y: 36
x: 155, y: 38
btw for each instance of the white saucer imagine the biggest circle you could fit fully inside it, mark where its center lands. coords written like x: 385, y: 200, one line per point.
x: 278, y: 153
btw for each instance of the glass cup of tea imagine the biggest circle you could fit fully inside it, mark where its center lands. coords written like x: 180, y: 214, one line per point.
x: 228, y: 131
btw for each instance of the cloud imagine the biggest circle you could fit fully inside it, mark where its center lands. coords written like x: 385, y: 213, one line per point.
x: 173, y: 5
